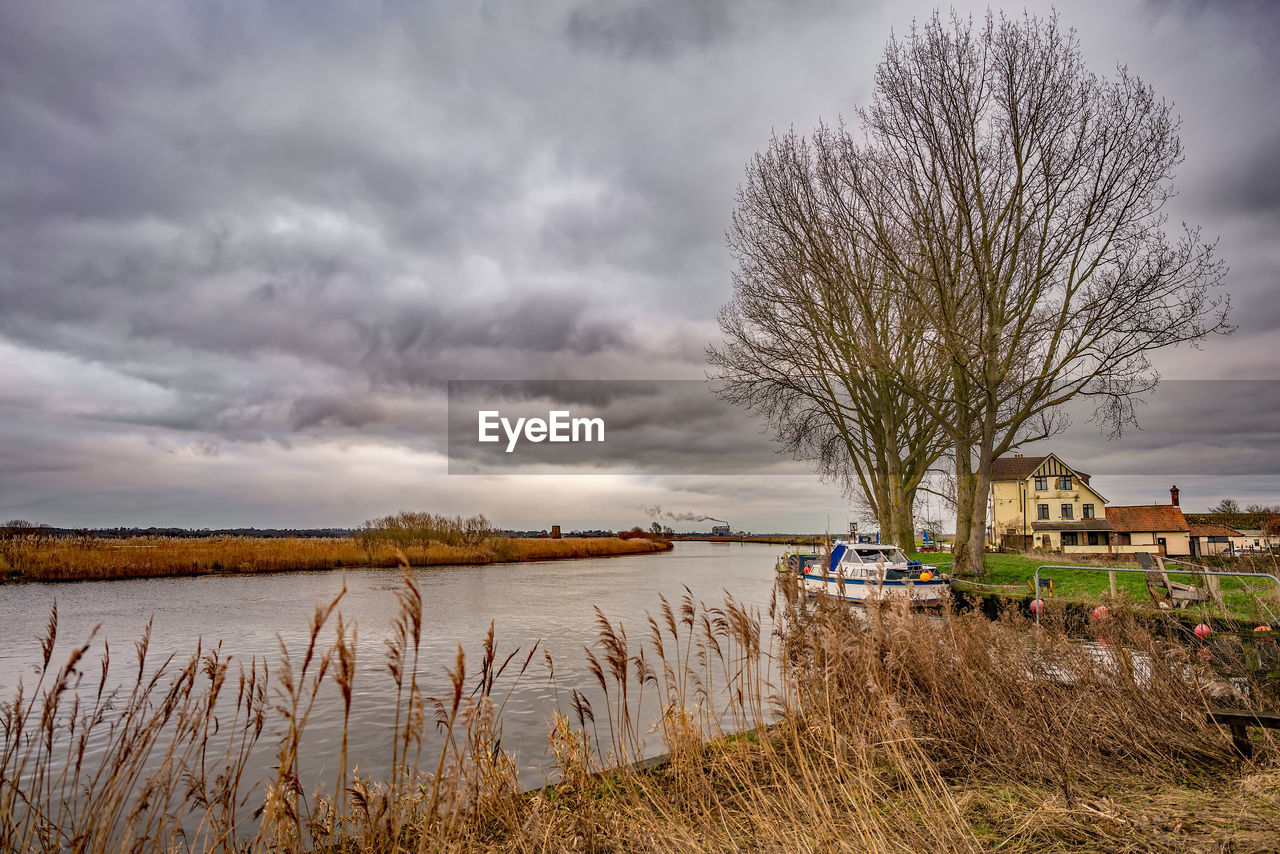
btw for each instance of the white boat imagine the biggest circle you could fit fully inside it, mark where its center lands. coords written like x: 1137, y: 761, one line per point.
x: 861, y: 572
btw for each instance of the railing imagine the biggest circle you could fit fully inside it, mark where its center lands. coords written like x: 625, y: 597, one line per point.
x: 1207, y: 572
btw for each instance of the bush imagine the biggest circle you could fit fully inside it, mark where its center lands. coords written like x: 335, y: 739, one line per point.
x: 414, y: 528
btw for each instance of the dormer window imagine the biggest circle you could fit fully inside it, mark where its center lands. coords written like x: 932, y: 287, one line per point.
x: 1042, y: 482
x: 1064, y: 482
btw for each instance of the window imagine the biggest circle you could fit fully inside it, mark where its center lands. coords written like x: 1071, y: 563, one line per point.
x: 1095, y: 539
x: 1069, y: 538
x: 1088, y: 512
x: 1064, y: 482
x: 1042, y: 482
x: 1042, y: 511
x: 1067, y: 511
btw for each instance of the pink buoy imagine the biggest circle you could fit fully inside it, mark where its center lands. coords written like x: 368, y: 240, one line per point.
x: 1037, y: 606
x: 1203, y: 631
x: 1101, y: 612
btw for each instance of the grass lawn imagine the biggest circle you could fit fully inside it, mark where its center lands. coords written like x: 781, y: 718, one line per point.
x: 1011, y: 575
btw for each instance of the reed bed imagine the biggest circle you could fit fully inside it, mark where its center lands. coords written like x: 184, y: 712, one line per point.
x: 889, y: 731
x: 91, y: 558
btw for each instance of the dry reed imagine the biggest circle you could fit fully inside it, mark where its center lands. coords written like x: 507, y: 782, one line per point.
x: 91, y: 558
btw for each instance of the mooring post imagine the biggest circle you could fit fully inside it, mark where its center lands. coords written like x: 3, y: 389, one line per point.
x: 1240, y: 740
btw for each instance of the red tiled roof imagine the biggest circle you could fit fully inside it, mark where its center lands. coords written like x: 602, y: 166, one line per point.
x: 1213, y: 529
x: 1147, y: 517
x: 1014, y: 468
x: 1021, y: 468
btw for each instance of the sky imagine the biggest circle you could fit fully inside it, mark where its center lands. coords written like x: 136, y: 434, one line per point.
x: 245, y: 247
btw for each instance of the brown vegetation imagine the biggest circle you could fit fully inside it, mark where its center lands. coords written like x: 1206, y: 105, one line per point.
x: 91, y: 558
x: 893, y: 732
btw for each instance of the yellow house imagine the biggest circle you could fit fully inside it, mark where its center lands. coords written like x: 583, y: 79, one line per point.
x: 1041, y: 502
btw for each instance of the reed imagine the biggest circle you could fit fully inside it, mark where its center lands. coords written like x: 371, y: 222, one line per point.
x: 92, y: 558
x: 839, y: 730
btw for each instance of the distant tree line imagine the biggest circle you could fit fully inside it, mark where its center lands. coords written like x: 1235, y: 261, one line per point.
x: 1230, y: 505
x: 1258, y: 517
x: 23, y: 528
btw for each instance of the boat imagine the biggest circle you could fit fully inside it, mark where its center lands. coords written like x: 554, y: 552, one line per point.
x: 861, y: 572
x: 797, y: 563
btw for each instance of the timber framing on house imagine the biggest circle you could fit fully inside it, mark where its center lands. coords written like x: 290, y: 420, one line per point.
x: 1044, y: 503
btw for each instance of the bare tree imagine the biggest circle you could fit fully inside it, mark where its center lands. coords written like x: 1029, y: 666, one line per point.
x: 809, y: 328
x: 1016, y: 200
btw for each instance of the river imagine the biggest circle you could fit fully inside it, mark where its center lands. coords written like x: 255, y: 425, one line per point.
x: 550, y: 603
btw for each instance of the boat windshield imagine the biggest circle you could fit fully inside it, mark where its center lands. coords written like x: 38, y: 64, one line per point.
x: 867, y: 555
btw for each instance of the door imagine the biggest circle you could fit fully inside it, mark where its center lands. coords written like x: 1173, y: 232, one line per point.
x: 1163, y: 545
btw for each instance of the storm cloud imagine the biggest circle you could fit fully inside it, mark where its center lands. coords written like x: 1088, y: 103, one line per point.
x: 246, y: 247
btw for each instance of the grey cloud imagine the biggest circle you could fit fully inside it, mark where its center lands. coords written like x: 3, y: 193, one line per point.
x: 1203, y: 428
x: 265, y: 227
x: 649, y: 29
x: 1252, y: 183
x: 658, y: 30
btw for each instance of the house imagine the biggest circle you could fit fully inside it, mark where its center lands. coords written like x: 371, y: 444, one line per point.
x: 1041, y: 502
x: 1151, y: 528
x: 1212, y: 538
x: 1265, y: 536
x: 1248, y: 531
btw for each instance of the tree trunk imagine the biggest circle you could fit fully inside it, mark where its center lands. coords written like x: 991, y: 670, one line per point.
x: 964, y: 511
x: 903, y: 531
x: 981, y: 480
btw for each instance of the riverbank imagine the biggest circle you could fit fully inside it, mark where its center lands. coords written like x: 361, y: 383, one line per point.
x: 1010, y: 578
x: 857, y: 730
x: 91, y: 558
x: 813, y: 540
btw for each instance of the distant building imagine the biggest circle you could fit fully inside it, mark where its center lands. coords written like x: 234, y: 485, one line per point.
x: 721, y: 530
x: 1151, y: 528
x: 1211, y: 538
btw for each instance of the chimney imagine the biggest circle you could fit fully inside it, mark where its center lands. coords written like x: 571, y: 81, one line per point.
x: 1173, y: 495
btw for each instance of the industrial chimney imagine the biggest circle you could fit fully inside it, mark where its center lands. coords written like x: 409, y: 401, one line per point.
x: 1173, y: 494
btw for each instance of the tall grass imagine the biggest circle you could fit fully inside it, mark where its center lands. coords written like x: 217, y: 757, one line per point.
x: 90, y: 558
x: 845, y: 730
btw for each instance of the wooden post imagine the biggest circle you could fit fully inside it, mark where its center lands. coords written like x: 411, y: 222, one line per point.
x: 1112, y: 577
x: 1214, y: 583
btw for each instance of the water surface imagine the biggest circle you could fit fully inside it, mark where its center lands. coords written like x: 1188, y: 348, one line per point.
x: 550, y: 603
